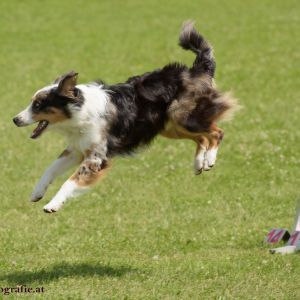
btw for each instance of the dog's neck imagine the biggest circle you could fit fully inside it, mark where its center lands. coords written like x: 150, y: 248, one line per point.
x: 87, y: 120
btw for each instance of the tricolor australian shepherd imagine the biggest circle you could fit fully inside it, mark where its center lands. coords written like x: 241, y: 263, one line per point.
x: 102, y: 121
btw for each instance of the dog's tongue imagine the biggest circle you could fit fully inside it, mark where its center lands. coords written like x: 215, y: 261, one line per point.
x: 39, y: 129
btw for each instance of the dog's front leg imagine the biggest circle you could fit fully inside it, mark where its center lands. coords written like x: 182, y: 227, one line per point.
x: 90, y: 170
x: 65, y: 161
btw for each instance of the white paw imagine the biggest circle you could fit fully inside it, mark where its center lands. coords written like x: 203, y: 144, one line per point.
x: 206, y: 166
x: 199, y: 162
x: 205, y: 160
x: 211, y: 156
x: 52, y: 206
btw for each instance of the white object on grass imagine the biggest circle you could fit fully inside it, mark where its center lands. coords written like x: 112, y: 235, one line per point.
x: 297, y: 219
x: 285, y: 250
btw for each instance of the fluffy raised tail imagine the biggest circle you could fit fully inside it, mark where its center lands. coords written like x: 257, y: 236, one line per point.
x: 190, y: 39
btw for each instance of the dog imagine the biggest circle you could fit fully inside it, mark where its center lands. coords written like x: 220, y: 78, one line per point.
x: 102, y: 121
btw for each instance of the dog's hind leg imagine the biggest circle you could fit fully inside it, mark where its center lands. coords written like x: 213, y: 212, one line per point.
x: 65, y: 161
x: 207, y: 149
x: 90, y: 171
x: 200, y: 155
x: 215, y: 137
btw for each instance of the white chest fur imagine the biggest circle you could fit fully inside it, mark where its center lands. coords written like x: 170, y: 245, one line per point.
x: 88, y: 122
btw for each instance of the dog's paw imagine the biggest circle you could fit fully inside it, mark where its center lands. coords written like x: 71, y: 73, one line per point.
x: 89, y: 166
x: 37, y: 195
x: 205, y: 160
x: 198, y: 171
x: 199, y: 162
x: 52, y: 207
x: 210, y: 158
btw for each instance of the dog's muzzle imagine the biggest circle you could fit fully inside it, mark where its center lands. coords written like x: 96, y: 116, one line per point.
x: 18, y: 121
x: 24, y: 118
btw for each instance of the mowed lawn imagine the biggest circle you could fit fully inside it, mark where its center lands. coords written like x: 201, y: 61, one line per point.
x: 151, y: 229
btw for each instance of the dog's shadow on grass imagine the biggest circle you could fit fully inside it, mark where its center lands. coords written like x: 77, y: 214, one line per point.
x: 64, y: 270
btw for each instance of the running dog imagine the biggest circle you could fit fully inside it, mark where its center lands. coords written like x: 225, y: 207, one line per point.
x: 102, y: 121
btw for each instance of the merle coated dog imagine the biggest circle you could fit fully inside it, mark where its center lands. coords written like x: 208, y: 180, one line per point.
x: 103, y: 121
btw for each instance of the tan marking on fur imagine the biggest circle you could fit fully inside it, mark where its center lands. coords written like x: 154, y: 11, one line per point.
x: 67, y: 83
x: 92, y: 174
x: 208, y: 140
x: 54, y: 116
x: 202, y: 142
x: 88, y: 152
x: 197, y: 84
x: 179, y: 110
x: 216, y: 135
x: 211, y: 139
x: 174, y: 131
x: 195, y: 89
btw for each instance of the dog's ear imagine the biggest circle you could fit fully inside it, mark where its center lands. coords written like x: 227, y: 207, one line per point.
x: 67, y: 83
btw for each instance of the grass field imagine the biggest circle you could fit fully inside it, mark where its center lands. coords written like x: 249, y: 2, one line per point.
x: 151, y: 229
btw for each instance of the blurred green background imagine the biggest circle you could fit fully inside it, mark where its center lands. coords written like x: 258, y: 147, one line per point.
x: 151, y: 229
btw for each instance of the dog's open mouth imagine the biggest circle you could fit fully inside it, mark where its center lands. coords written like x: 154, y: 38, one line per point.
x: 39, y: 129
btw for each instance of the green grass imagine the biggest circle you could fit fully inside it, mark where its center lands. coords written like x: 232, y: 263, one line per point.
x: 151, y: 229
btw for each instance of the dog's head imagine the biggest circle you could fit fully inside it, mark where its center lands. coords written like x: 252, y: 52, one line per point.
x: 51, y: 104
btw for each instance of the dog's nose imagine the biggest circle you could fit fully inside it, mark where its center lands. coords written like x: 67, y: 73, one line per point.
x: 16, y: 120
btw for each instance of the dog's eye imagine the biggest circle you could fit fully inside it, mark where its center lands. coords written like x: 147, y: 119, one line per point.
x: 36, y: 105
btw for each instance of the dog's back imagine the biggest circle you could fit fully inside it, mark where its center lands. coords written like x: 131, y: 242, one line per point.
x: 172, y: 98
